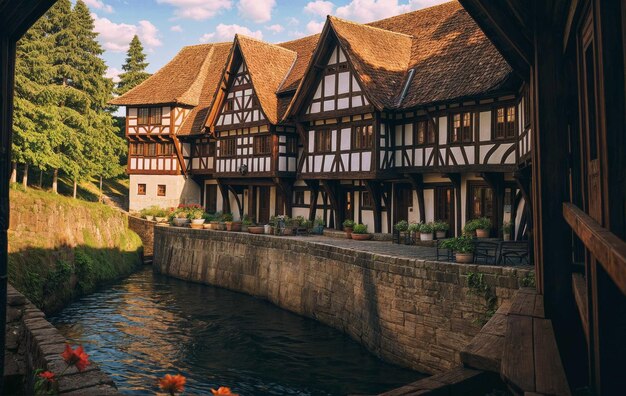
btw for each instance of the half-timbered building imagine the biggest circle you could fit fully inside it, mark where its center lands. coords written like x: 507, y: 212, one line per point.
x: 416, y: 117
x: 157, y: 111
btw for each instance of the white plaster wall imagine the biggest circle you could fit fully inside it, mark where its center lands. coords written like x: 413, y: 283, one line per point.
x: 178, y: 191
x: 429, y: 200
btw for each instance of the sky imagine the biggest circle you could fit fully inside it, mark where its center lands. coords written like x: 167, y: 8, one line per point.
x: 165, y: 26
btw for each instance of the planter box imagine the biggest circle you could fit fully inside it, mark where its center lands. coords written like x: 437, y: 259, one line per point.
x: 256, y: 229
x: 464, y: 258
x: 426, y: 236
x: 361, y: 237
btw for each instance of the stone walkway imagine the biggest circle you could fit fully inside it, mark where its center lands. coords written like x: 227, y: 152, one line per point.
x: 378, y: 247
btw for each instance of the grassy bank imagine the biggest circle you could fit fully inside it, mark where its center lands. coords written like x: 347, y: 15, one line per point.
x: 60, y: 248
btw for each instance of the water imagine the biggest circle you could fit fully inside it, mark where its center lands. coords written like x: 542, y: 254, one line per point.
x: 149, y: 325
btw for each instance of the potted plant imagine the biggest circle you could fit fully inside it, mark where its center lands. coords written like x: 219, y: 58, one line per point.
x: 290, y: 224
x: 227, y: 219
x: 208, y: 219
x: 414, y: 230
x: 160, y: 215
x: 359, y: 232
x: 147, y: 213
x: 306, y: 225
x: 196, y: 215
x: 507, y: 227
x: 462, y: 246
x: 441, y: 227
x: 215, y: 221
x: 426, y: 231
x: 318, y: 226
x: 348, y: 226
x: 402, y: 227
x: 246, y: 223
x: 470, y: 227
x: 180, y: 218
x: 269, y: 227
x: 483, y: 225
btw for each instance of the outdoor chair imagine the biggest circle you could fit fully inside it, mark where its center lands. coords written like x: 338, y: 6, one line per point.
x: 395, y: 236
x: 514, y: 252
x: 445, y: 253
x: 486, y: 252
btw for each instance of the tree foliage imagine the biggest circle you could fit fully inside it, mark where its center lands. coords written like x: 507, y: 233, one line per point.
x: 134, y: 67
x: 61, y: 116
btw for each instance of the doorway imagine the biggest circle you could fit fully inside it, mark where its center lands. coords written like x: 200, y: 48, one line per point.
x: 264, y: 204
x: 404, y: 201
x: 444, y: 206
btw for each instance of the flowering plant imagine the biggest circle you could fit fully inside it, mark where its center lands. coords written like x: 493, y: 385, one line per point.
x: 172, y: 384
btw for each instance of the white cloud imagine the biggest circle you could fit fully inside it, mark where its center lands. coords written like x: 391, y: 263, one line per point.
x: 314, y: 27
x: 291, y: 21
x: 114, y: 74
x: 320, y: 7
x: 371, y: 10
x: 276, y: 28
x: 176, y: 28
x: 227, y: 32
x: 99, y: 5
x: 198, y: 9
x: 117, y: 36
x: 258, y: 11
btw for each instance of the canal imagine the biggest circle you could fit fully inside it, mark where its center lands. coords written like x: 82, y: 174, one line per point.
x: 149, y: 325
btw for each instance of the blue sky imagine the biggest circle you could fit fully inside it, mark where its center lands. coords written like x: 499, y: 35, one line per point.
x: 164, y: 26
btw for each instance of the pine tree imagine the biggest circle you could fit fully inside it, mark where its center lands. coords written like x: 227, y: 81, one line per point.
x: 134, y: 68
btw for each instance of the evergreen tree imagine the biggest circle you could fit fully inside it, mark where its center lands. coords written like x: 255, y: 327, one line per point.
x: 134, y: 68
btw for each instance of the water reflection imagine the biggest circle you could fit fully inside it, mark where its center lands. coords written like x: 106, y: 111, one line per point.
x: 148, y: 325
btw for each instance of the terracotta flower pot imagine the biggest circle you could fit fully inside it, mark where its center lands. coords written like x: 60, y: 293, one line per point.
x: 361, y: 237
x: 482, y: 233
x: 256, y: 229
x: 348, y: 231
x: 506, y: 237
x: 207, y: 226
x: 464, y: 258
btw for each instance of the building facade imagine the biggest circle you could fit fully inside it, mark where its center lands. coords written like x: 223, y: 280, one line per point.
x: 415, y: 117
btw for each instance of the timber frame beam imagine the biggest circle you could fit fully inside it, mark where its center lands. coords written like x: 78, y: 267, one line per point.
x: 455, y: 179
x: 417, y: 181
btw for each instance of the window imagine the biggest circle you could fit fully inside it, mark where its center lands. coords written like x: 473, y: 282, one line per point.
x: 143, y: 115
x: 228, y: 147
x: 461, y: 131
x: 262, y: 144
x: 481, y: 202
x: 135, y: 148
x: 362, y: 137
x: 323, y: 141
x: 151, y: 150
x: 141, y: 189
x: 166, y: 149
x: 366, y: 200
x: 298, y: 198
x: 292, y: 145
x: 425, y: 132
x: 161, y: 190
x: 207, y: 149
x: 149, y: 116
x: 504, y: 122
x: 229, y: 104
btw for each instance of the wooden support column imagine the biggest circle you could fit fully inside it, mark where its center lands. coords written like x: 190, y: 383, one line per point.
x: 333, y: 191
x: 285, y: 187
x: 374, y: 189
x: 239, y: 204
x: 455, y: 179
x: 225, y: 198
x: 496, y: 183
x: 314, y: 187
x: 252, y: 202
x: 387, y: 190
x: 417, y: 181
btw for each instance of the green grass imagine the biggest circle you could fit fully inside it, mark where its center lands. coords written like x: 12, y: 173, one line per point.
x: 60, y: 247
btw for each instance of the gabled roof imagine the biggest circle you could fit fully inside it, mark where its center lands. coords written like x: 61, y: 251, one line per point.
x: 194, y: 122
x: 179, y: 82
x: 268, y: 65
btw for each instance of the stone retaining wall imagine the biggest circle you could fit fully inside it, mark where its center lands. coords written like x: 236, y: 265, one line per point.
x: 415, y: 313
x: 145, y: 230
x: 33, y: 343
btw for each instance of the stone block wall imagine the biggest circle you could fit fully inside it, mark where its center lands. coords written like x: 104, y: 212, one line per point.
x: 145, y: 230
x: 33, y: 343
x: 415, y: 313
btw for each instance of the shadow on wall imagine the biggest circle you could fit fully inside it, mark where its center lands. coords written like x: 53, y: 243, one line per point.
x: 50, y: 278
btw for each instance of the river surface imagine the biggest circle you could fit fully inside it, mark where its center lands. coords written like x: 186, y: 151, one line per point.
x: 150, y: 325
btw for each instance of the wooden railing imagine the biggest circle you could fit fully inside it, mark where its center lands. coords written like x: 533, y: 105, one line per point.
x: 606, y: 247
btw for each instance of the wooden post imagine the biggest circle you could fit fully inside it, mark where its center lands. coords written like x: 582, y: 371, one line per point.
x: 225, y: 198
x: 496, y: 183
x: 252, y: 203
x: 455, y: 179
x: 374, y: 190
x: 314, y: 186
x: 417, y: 181
x: 334, y: 195
x: 284, y: 187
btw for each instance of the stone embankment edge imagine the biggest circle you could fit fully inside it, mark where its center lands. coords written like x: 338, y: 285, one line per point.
x: 416, y: 313
x: 33, y: 343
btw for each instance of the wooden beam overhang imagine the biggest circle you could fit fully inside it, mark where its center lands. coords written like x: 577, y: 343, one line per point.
x: 508, y: 25
x: 417, y: 181
x: 314, y: 187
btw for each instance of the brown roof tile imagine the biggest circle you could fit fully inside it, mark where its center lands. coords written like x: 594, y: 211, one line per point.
x: 180, y: 81
x: 194, y: 122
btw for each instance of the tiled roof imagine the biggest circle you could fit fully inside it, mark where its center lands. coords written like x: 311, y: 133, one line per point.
x: 180, y: 81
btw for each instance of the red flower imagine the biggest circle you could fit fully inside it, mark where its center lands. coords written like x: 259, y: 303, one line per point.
x: 172, y: 383
x: 76, y: 357
x: 47, y: 375
x: 223, y: 391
